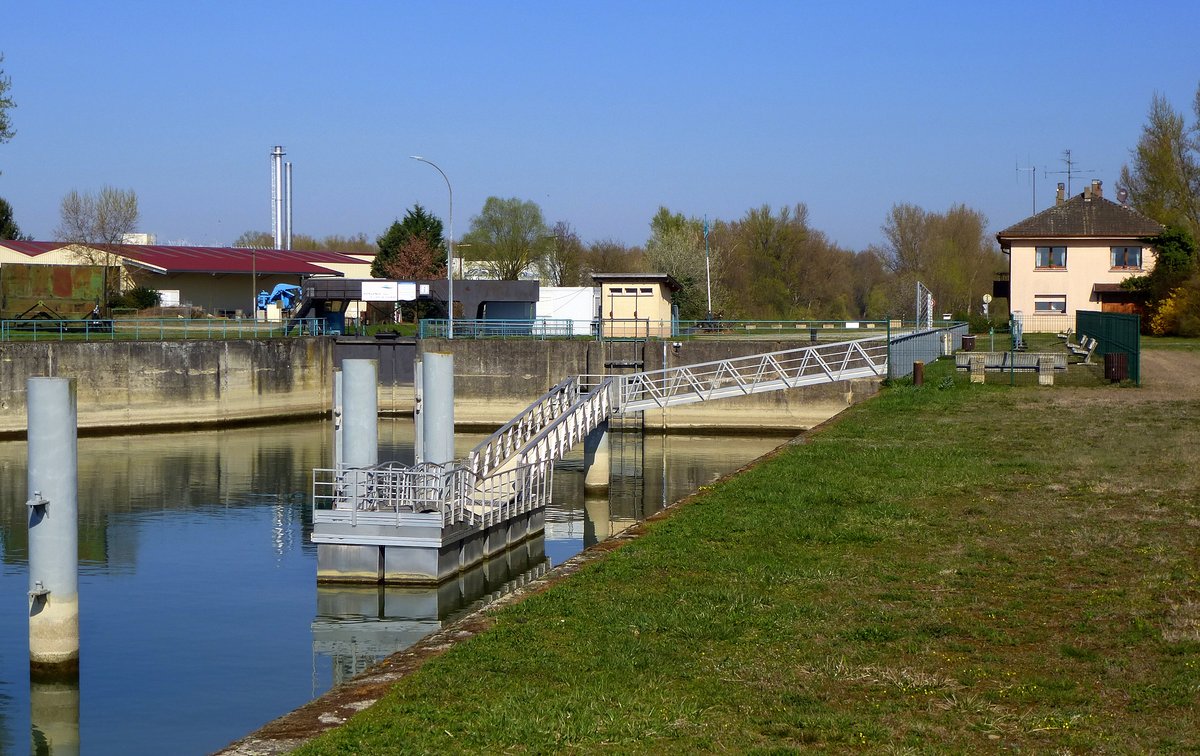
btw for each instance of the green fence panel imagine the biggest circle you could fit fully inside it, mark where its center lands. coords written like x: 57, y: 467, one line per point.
x: 1114, y: 333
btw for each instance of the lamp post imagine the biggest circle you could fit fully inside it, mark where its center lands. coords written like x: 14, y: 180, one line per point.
x: 449, y: 250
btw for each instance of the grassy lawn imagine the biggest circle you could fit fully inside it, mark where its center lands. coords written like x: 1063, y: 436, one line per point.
x: 944, y: 568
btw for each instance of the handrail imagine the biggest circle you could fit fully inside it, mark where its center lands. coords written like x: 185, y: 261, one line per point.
x: 155, y: 329
x: 787, y: 368
x: 539, y: 328
x: 559, y: 437
x: 493, y: 450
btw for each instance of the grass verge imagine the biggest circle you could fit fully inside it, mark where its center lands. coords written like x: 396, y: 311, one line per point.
x: 951, y: 567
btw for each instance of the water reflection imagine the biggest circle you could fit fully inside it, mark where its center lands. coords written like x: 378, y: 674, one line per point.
x: 359, y: 625
x: 54, y: 712
x: 200, y: 617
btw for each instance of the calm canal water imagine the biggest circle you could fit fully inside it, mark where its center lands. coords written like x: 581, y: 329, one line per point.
x: 200, y: 616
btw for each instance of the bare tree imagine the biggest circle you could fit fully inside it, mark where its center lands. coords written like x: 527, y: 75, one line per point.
x: 104, y: 218
x: 563, y: 263
x: 6, y: 104
x: 94, y: 223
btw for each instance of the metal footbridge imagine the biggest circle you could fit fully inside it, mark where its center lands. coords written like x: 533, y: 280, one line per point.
x: 509, y: 473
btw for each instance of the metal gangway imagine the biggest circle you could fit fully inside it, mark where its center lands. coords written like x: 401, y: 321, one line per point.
x: 562, y: 417
x: 510, y: 471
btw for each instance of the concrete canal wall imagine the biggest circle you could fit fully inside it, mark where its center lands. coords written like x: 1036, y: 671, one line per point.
x: 173, y: 384
x: 177, y: 384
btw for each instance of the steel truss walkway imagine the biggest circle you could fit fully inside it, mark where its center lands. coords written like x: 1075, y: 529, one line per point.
x: 508, y: 475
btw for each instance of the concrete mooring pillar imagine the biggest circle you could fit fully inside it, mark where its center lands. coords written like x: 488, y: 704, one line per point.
x: 437, y: 407
x: 53, y: 487
x: 597, y: 460
x: 337, y: 418
x: 360, y: 413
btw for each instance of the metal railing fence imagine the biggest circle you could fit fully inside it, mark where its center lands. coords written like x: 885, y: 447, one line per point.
x: 538, y: 328
x: 383, y: 494
x: 922, y: 346
x: 636, y: 329
x: 155, y: 329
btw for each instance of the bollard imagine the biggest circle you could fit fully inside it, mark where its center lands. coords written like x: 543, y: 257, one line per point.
x: 53, y: 529
x: 437, y: 407
x: 596, y: 458
x: 360, y: 413
x: 918, y: 373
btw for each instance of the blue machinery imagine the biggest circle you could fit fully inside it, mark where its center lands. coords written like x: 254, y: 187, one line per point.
x: 423, y: 524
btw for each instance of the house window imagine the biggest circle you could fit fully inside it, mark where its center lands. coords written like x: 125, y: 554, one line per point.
x: 1126, y: 257
x: 1050, y: 304
x: 1051, y: 257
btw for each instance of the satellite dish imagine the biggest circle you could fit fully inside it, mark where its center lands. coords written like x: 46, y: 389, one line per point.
x: 1122, y: 194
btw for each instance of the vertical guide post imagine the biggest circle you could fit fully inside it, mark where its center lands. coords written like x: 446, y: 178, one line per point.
x: 53, y: 483
x: 437, y: 407
x: 418, y: 413
x: 360, y: 413
x: 337, y: 419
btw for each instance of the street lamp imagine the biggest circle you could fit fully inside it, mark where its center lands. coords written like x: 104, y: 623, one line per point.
x: 449, y: 249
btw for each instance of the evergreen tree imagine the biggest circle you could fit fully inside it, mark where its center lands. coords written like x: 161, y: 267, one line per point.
x: 8, y: 226
x: 418, y: 223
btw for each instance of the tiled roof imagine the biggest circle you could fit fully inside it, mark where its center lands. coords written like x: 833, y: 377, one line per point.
x: 170, y: 259
x: 1084, y: 216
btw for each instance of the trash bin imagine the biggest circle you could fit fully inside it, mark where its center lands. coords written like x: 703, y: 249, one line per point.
x: 968, y: 343
x: 1116, y: 366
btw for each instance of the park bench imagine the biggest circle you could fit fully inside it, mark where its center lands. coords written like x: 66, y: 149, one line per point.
x: 1085, y: 348
x: 1044, y: 363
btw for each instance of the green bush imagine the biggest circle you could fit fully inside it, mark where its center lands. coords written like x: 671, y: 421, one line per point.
x: 137, y: 298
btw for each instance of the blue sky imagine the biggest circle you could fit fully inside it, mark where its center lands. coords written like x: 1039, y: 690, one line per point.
x: 599, y: 112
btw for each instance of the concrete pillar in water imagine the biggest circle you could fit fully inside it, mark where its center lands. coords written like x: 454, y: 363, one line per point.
x: 337, y: 418
x: 360, y: 413
x: 596, y: 458
x: 437, y: 407
x: 54, y: 716
x: 53, y: 529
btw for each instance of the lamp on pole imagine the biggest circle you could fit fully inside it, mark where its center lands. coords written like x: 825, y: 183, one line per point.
x: 449, y: 249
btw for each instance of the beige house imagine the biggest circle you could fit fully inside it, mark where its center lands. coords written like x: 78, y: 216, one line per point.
x: 1073, y: 256
x: 636, y: 305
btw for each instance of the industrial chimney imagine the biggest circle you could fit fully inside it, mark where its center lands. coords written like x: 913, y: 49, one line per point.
x: 281, y: 199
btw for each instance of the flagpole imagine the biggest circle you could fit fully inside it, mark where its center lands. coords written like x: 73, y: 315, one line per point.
x: 707, y: 269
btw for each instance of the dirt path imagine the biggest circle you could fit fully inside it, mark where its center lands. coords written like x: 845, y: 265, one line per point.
x: 1170, y: 372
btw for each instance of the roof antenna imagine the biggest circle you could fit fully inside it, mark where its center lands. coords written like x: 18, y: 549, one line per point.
x: 1032, y: 171
x: 1071, y: 169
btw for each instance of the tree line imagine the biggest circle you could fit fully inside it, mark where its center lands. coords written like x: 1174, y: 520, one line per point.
x: 1163, y: 183
x: 770, y: 263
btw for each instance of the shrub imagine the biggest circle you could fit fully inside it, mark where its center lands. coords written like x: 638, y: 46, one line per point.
x: 137, y: 298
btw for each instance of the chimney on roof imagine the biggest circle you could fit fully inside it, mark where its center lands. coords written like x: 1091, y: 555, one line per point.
x: 1061, y: 196
x: 1087, y: 193
x: 1097, y: 191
